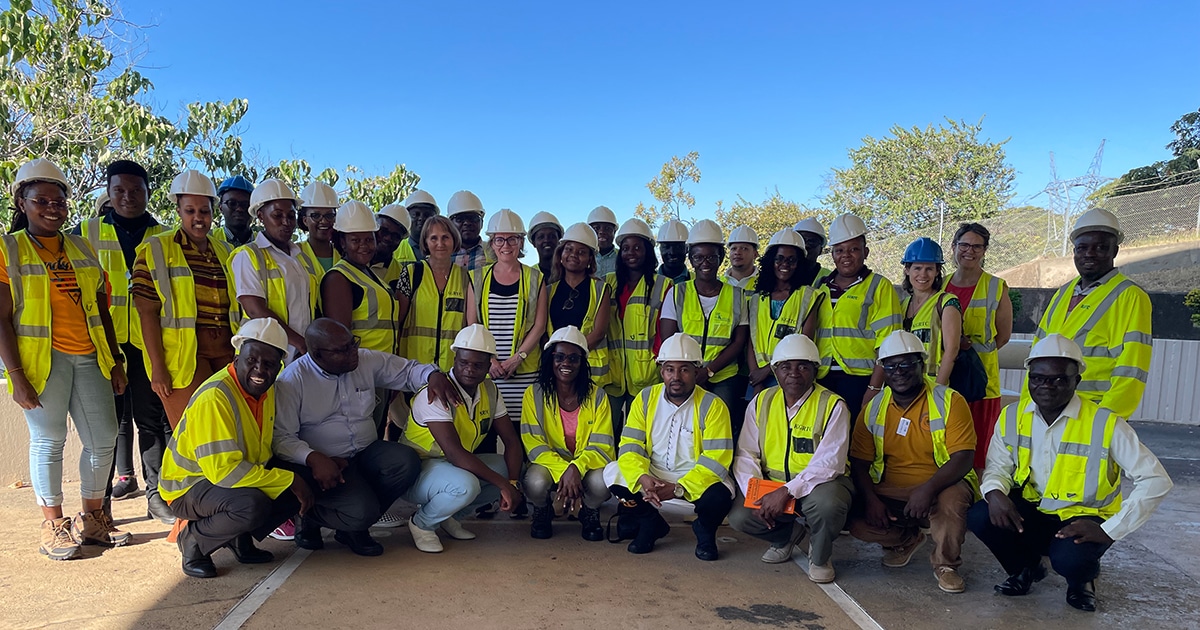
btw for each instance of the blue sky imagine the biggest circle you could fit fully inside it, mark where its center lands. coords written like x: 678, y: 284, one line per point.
x: 563, y: 106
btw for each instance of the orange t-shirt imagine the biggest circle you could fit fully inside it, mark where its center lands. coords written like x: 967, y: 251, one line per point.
x: 255, y: 404
x: 908, y: 459
x: 68, y: 323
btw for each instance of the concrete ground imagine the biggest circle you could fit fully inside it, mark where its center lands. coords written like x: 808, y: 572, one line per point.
x: 505, y: 579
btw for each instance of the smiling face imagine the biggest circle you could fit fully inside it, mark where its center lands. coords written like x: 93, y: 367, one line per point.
x: 604, y: 234
x: 633, y: 252
x: 257, y: 365
x: 575, y: 257
x: 319, y: 222
x: 128, y: 194
x: 904, y: 373
x: 545, y: 240
x: 673, y: 254
x: 969, y: 250
x: 507, y: 246
x: 849, y: 256
x: 1052, y: 382
x: 468, y: 224
x: 742, y: 255
x: 922, y: 275
x: 787, y: 259
x: 358, y: 247
x: 567, y: 359
x: 1094, y: 254
x: 45, y: 206
x: 706, y: 260
x: 278, y: 218
x: 388, y: 238
x: 439, y: 242
x: 195, y: 216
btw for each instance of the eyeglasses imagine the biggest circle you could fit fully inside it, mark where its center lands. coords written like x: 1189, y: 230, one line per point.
x: 355, y: 342
x: 317, y: 217
x: 974, y: 247
x: 53, y: 204
x: 467, y: 218
x: 903, y: 367
x: 510, y: 241
x: 233, y: 204
x: 569, y: 359
x: 1038, y: 380
x: 710, y: 259
x: 786, y: 260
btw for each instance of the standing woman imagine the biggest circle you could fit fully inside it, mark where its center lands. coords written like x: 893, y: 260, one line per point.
x: 987, y: 321
x: 60, y: 355
x: 511, y: 301
x: 180, y: 287
x: 578, y: 298
x: 639, y: 292
x: 930, y: 313
x: 784, y: 303
x: 318, y: 211
x: 443, y: 295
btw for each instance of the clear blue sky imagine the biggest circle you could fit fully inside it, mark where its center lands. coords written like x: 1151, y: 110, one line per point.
x: 562, y: 106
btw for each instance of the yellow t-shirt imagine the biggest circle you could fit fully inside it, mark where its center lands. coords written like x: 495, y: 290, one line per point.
x: 908, y: 459
x: 68, y: 324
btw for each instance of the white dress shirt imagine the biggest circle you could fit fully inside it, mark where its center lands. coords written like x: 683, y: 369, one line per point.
x: 247, y: 282
x: 424, y: 412
x: 1150, y: 480
x: 828, y: 461
x: 744, y: 283
x: 332, y: 413
x: 673, y: 439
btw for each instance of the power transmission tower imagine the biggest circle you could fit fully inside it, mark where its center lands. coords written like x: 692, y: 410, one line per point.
x: 1067, y: 200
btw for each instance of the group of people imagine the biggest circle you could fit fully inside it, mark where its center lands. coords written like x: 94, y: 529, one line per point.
x: 403, y: 357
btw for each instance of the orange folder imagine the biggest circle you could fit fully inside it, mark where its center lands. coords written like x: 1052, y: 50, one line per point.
x: 762, y: 487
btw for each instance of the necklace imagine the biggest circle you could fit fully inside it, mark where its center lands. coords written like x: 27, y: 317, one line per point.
x: 37, y: 242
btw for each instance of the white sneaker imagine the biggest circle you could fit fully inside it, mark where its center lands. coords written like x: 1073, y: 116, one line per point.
x: 821, y: 573
x: 390, y: 519
x: 455, y: 530
x: 425, y: 540
x: 777, y: 555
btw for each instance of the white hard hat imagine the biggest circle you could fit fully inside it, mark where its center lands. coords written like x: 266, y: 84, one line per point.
x: 40, y: 170
x: 475, y: 337
x: 505, y: 222
x: 705, y: 232
x: 901, y: 342
x: 845, y: 227
x: 398, y: 213
x: 680, y: 347
x: 1098, y: 220
x: 795, y: 347
x: 571, y: 335
x: 354, y: 216
x: 543, y: 219
x: 270, y: 190
x: 601, y: 214
x: 743, y: 234
x: 1056, y: 346
x: 788, y: 237
x: 673, y: 231
x: 812, y: 225
x: 464, y: 201
x: 101, y: 200
x: 582, y: 233
x: 264, y: 329
x: 318, y: 194
x: 420, y: 196
x: 192, y: 182
x: 635, y: 227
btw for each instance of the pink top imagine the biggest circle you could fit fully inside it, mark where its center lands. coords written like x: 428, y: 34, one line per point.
x: 570, y: 420
x: 962, y: 293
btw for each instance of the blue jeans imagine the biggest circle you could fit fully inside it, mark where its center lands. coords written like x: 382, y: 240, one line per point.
x: 75, y: 385
x: 444, y: 490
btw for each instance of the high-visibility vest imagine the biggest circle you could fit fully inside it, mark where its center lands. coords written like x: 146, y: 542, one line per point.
x: 546, y: 443
x: 219, y: 440
x: 822, y: 273
x: 430, y: 330
x: 927, y: 326
x: 1112, y: 327
x: 176, y: 287
x: 938, y: 399
x: 979, y: 325
x: 529, y: 288
x: 406, y: 254
x: 766, y: 332
x: 714, y: 332
x: 712, y: 445
x: 471, y: 428
x: 312, y: 264
x: 785, y: 447
x: 604, y: 371
x: 850, y: 333
x: 635, y: 331
x: 29, y: 282
x: 220, y: 234
x: 745, y: 284
x: 374, y: 319
x: 1084, y: 480
x: 103, y: 237
x: 273, y: 282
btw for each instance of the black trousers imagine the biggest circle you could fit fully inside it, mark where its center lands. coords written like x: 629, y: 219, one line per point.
x: 217, y: 515
x: 711, y: 507
x: 374, y: 479
x: 1078, y: 563
x: 732, y: 392
x: 140, y: 407
x: 851, y: 388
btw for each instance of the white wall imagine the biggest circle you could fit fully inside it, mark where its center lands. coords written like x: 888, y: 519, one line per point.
x: 14, y: 443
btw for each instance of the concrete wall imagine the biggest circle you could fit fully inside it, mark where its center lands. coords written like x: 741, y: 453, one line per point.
x: 14, y: 444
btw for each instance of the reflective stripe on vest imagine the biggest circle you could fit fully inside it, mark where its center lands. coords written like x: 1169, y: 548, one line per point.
x: 599, y: 366
x: 529, y: 287
x: 938, y: 400
x: 548, y: 405
x: 848, y: 331
x: 471, y: 429
x: 270, y: 276
x: 927, y: 326
x: 638, y: 327
x: 766, y: 331
x: 714, y: 331
x: 786, y: 447
x: 431, y: 329
x: 979, y: 325
x: 103, y: 238
x: 374, y: 319
x: 650, y: 397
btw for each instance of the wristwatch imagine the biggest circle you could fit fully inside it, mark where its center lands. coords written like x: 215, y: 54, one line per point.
x: 678, y: 491
x: 710, y: 372
x: 524, y: 355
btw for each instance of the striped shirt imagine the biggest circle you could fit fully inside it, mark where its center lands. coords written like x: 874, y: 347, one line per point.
x: 212, y: 287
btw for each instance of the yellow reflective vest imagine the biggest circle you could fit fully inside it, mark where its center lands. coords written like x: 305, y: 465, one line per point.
x: 219, y: 440
x: 1084, y: 481
x: 374, y: 319
x: 1112, y: 327
x: 603, y: 365
x: 713, y: 450
x: 938, y: 398
x: 406, y: 254
x: 786, y: 446
x: 308, y: 258
x: 29, y: 283
x: 471, y: 428
x: 431, y: 330
x: 927, y: 326
x: 979, y: 325
x: 634, y: 333
x: 529, y: 288
x: 851, y: 331
x: 271, y: 277
x: 546, y: 443
x: 766, y: 331
x: 715, y: 331
x: 103, y: 238
x: 176, y: 287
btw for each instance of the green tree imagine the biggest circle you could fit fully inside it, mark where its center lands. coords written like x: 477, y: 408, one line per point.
x: 916, y: 178
x: 376, y: 191
x: 668, y: 190
x: 1181, y: 169
x: 767, y: 217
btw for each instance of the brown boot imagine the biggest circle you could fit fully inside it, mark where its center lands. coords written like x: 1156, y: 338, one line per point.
x: 57, y: 543
x: 96, y: 528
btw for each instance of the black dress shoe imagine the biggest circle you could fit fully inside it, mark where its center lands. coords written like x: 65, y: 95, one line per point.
x: 157, y: 508
x: 309, y: 536
x: 360, y: 543
x: 1019, y: 583
x: 195, y: 563
x: 1082, y: 597
x: 706, y: 542
x: 651, y: 527
x: 246, y: 553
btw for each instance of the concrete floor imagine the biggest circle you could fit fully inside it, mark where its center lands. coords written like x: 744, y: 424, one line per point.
x: 505, y: 579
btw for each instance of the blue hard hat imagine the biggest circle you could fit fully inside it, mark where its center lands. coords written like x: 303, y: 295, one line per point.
x: 923, y: 250
x: 237, y: 182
